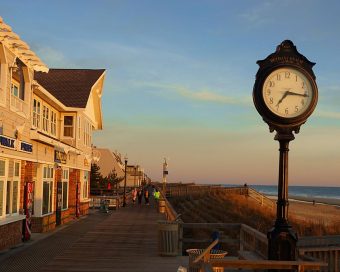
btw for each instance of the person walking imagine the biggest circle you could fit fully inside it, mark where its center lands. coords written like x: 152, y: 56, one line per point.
x: 134, y: 195
x: 139, y: 196
x: 156, y: 195
x: 146, y: 196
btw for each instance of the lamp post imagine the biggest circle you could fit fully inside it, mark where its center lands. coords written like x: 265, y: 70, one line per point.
x: 165, y: 173
x: 124, y: 195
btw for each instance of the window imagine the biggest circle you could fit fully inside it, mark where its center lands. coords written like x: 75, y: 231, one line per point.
x: 79, y: 127
x: 68, y: 126
x: 18, y: 84
x: 45, y: 119
x: 47, y: 189
x: 53, y: 123
x: 87, y: 133
x: 65, y: 179
x: 2, y: 184
x: 85, y: 190
x: 12, y: 188
x: 15, y: 188
x: 36, y: 113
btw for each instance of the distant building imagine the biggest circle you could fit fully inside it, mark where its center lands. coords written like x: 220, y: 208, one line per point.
x: 135, y: 176
x: 46, y: 121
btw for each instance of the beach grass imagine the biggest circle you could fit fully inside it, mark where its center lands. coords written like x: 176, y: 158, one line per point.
x: 306, y: 219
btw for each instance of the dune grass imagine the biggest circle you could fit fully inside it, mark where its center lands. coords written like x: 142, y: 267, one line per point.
x: 233, y: 208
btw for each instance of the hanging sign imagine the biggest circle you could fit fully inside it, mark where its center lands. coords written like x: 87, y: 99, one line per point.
x: 60, y: 156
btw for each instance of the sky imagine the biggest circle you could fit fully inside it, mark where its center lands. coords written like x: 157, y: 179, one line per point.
x: 180, y: 75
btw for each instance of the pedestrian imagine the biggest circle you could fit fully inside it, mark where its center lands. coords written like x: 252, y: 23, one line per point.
x: 139, y: 196
x: 157, y: 195
x: 146, y: 196
x: 134, y: 195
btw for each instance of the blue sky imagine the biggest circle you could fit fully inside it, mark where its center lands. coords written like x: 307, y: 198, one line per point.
x: 180, y: 76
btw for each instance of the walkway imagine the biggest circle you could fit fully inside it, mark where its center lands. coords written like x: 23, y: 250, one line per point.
x: 123, y: 240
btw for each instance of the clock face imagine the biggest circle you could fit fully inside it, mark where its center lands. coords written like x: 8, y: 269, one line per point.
x: 287, y: 92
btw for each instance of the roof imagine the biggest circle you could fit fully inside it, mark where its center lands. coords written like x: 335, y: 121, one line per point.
x: 108, y: 162
x: 71, y: 87
x: 21, y: 49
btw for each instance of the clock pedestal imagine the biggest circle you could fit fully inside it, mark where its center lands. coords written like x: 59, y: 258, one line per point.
x: 281, y: 238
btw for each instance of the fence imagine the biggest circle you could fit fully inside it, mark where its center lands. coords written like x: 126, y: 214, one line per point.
x: 244, y: 238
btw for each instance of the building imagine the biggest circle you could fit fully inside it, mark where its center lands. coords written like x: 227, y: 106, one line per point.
x: 109, y: 161
x: 134, y: 176
x: 46, y: 121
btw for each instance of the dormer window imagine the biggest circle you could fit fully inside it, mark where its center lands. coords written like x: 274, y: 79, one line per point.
x: 19, y: 86
x: 18, y: 83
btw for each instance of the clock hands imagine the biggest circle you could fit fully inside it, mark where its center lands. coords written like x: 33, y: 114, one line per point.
x: 286, y: 93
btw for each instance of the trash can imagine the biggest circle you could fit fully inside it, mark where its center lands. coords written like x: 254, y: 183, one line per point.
x: 214, y: 254
x: 168, y: 238
x: 161, y: 206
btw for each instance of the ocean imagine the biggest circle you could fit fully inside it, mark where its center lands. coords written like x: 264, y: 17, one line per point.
x: 303, y: 191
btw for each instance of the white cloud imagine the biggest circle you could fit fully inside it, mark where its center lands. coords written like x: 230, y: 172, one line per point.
x: 52, y: 57
x: 328, y: 114
x: 259, y: 14
x: 200, y: 95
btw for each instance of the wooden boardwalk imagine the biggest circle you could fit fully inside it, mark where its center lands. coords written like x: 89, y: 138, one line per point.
x: 122, y: 240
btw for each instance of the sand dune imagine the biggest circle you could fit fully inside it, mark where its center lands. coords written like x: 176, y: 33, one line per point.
x: 325, y: 210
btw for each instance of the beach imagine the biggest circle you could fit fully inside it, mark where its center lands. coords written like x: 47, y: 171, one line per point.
x: 325, y: 210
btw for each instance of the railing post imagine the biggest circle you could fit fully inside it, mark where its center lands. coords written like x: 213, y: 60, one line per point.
x: 180, y: 238
x: 241, y: 237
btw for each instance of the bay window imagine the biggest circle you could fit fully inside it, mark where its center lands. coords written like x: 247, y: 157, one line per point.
x: 45, y: 118
x: 36, y: 113
x: 53, y: 123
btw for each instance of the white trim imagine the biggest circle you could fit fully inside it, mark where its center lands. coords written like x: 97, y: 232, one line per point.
x: 63, y: 115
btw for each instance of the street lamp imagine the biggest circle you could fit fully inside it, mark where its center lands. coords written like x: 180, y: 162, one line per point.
x: 165, y: 173
x: 124, y: 196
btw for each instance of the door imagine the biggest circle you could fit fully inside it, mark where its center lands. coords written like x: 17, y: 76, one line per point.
x: 59, y: 202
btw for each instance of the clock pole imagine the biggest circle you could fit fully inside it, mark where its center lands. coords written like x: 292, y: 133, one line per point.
x: 282, y: 77
x: 281, y: 238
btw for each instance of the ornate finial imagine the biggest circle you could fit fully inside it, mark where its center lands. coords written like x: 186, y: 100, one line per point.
x: 286, y: 45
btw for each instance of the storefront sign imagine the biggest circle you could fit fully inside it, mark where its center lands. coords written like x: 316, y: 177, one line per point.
x: 86, y: 162
x: 12, y: 143
x: 26, y: 147
x: 7, y: 142
x: 60, y: 156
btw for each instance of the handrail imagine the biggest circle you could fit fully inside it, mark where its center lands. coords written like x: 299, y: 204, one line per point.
x: 206, y: 253
x: 262, y: 199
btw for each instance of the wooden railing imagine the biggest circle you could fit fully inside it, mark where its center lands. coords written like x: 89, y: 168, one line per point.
x: 114, y: 202
x: 181, y: 190
x: 253, y: 240
x: 299, y: 266
x: 325, y: 248
x: 206, y: 264
x: 262, y: 199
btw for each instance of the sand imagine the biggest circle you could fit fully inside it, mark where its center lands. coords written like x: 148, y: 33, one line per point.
x: 323, y: 211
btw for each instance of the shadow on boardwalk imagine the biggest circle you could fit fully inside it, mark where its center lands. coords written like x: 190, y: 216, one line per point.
x: 123, y: 240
